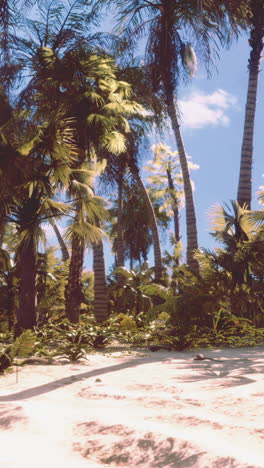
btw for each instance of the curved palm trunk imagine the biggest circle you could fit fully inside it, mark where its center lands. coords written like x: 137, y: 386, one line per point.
x: 154, y: 226
x: 73, y: 290
x: 119, y: 242
x: 64, y: 251
x: 100, y: 286
x: 192, y: 240
x: 244, y: 192
x: 176, y: 215
x: 26, y: 314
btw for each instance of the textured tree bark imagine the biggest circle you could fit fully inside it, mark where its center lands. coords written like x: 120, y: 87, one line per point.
x: 154, y: 226
x: 26, y: 314
x: 244, y: 193
x: 176, y: 216
x: 100, y: 285
x: 73, y: 290
x: 2, y: 231
x: 120, y: 245
x: 192, y: 240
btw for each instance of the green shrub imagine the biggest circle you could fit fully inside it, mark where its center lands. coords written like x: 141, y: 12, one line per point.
x: 22, y: 347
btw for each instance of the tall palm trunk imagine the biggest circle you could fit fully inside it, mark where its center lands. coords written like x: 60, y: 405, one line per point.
x: 256, y: 43
x: 154, y: 226
x: 26, y: 314
x: 2, y: 230
x: 192, y: 240
x: 120, y: 251
x: 100, y: 286
x: 64, y: 251
x: 176, y: 215
x: 73, y: 290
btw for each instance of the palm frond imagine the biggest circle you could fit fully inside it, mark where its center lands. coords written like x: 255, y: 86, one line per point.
x: 114, y: 142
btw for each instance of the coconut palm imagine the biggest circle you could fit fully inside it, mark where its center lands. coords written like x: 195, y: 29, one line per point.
x: 153, y: 222
x: 134, y: 147
x: 136, y: 223
x: 10, y: 21
x: 115, y: 175
x: 168, y: 54
x: 129, y: 163
x: 166, y: 182
x: 256, y: 37
x: 64, y: 250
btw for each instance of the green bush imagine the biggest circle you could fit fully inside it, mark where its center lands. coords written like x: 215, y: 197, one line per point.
x: 22, y: 347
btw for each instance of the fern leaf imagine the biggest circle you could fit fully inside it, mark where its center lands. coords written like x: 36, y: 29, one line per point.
x: 23, y: 345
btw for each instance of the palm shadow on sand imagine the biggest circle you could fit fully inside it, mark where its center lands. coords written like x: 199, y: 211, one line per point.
x: 223, y: 368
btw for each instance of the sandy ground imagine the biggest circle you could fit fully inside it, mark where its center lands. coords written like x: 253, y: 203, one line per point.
x: 136, y: 409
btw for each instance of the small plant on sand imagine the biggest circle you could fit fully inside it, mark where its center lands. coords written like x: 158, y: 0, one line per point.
x: 22, y: 347
x: 63, y: 339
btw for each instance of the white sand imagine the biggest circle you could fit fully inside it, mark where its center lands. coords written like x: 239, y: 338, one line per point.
x: 148, y: 410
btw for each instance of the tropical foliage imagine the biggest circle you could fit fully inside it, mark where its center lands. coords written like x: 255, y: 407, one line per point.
x: 78, y: 112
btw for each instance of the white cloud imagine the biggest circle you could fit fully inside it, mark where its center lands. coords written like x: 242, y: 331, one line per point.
x: 201, y: 110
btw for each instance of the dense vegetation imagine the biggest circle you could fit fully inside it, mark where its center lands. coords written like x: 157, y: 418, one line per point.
x: 77, y: 109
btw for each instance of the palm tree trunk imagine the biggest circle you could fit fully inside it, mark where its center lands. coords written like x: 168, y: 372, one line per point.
x: 244, y: 193
x: 192, y: 240
x: 154, y: 226
x: 100, y: 286
x: 73, y: 290
x: 2, y: 230
x: 176, y: 216
x: 26, y: 314
x: 64, y: 251
x: 119, y: 241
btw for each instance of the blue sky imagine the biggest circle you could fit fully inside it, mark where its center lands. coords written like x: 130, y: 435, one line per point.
x: 212, y: 127
x: 213, y: 120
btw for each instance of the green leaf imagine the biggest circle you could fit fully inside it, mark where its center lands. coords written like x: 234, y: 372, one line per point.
x: 27, y: 147
x: 24, y: 344
x: 124, y: 272
x: 5, y: 261
x: 155, y: 290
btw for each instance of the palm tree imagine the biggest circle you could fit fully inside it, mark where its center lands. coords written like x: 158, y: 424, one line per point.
x: 82, y: 232
x: 64, y: 250
x: 115, y: 174
x: 135, y: 142
x: 153, y: 222
x: 136, y: 225
x: 256, y: 26
x: 168, y: 55
x: 166, y: 183
x: 100, y: 285
x: 34, y: 208
x: 82, y: 81
x: 10, y: 20
x: 46, y: 150
x: 234, y: 273
x: 232, y: 226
